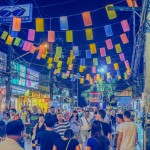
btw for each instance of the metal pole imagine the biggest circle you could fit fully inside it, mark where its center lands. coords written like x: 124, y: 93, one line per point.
x: 8, y: 69
x: 77, y: 93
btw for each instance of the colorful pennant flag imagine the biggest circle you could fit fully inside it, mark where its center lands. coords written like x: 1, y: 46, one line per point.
x: 17, y: 41
x: 69, y: 61
x: 82, y: 61
x: 50, y: 60
x: 68, y: 73
x: 39, y: 24
x: 98, y: 77
x: 58, y: 51
x: 58, y: 70
x: 88, y: 77
x: 33, y: 49
x: 75, y: 50
x: 50, y: 66
x: 95, y: 62
x: 70, y: 67
x: 21, y: 43
x: 88, y: 54
x: 16, y: 25
x: 116, y: 66
x: 31, y: 34
x: 92, y: 48
x: 111, y: 13
x: 82, y: 81
x: 119, y: 77
x: 14, y: 34
x: 108, y: 30
x: 4, y: 35
x: 63, y: 22
x: 78, y: 76
x: 69, y: 36
x: 27, y: 46
x: 56, y: 59
x: 109, y: 44
x: 122, y: 57
x: 72, y: 55
x: 89, y: 33
x: 125, y: 76
x: 9, y: 40
x: 132, y: 3
x: 118, y: 48
x: 87, y: 18
x: 126, y: 62
x: 94, y: 69
x: 125, y: 26
x: 102, y: 52
x: 108, y: 75
x: 59, y: 64
x: 108, y: 60
x: 51, y: 36
x: 124, y: 38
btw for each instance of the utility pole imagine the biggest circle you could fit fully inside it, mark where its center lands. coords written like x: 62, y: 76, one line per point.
x: 8, y: 69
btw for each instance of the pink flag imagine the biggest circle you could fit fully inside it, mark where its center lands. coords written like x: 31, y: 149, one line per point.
x: 55, y: 71
x: 103, y: 52
x: 38, y: 56
x: 109, y: 44
x: 51, y: 36
x: 124, y: 38
x: 93, y: 69
x: 27, y: 46
x: 32, y: 50
x: 68, y: 73
x: 31, y: 34
x: 121, y: 55
x: 126, y: 62
x: 125, y: 26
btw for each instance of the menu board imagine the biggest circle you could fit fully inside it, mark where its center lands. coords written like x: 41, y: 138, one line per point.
x: 3, y: 61
x: 32, y: 77
x: 19, y: 74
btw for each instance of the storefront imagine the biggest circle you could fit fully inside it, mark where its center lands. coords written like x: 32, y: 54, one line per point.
x: 34, y: 98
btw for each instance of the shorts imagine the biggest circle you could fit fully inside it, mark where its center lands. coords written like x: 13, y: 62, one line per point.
x: 84, y: 135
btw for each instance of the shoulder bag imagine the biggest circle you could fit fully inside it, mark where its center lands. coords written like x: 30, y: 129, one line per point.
x: 68, y: 144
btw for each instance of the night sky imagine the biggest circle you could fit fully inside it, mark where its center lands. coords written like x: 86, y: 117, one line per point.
x: 54, y: 9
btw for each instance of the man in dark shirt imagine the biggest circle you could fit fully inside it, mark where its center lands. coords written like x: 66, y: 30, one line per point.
x: 47, y: 138
x: 106, y: 128
x: 51, y: 115
x: 33, y: 117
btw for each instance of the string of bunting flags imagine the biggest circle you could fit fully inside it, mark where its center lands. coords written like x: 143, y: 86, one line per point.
x: 28, y: 45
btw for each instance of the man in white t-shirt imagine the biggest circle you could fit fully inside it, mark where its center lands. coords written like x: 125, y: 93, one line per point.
x: 85, y: 128
x: 127, y: 133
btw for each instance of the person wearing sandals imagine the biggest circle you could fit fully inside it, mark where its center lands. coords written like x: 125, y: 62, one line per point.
x: 97, y: 140
x: 67, y: 143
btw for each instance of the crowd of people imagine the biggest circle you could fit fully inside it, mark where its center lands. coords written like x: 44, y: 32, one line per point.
x: 88, y: 129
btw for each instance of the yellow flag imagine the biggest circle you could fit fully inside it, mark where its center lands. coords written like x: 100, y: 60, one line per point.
x: 81, y: 68
x: 116, y: 66
x: 70, y: 67
x: 98, y: 77
x: 108, y: 60
x: 58, y: 70
x: 69, y: 61
x: 118, y: 48
x: 93, y: 48
x: 119, y: 77
x: 39, y: 25
x: 108, y: 75
x: 111, y: 13
x: 49, y: 66
x: 72, y: 55
x: 81, y: 80
x: 9, y: 40
x: 44, y: 55
x: 59, y: 64
x: 69, y: 36
x: 50, y: 60
x: 89, y: 33
x: 56, y: 59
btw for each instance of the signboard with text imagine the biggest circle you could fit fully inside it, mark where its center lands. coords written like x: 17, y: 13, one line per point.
x: 22, y: 11
x: 3, y: 61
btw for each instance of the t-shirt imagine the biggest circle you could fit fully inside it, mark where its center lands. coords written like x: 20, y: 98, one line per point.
x: 61, y: 128
x: 34, y: 119
x: 86, y: 123
x: 62, y: 144
x: 46, y: 139
x: 10, y: 144
x: 129, y: 130
x: 106, y: 128
x: 98, y: 144
x: 51, y: 116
